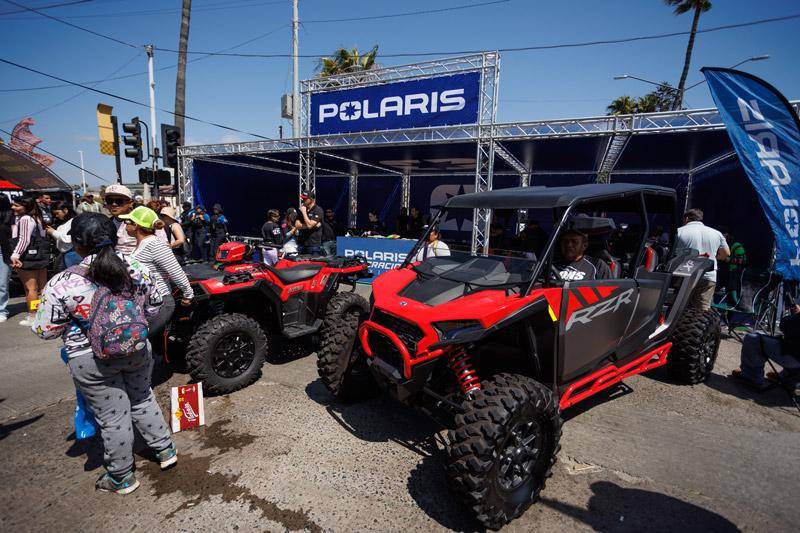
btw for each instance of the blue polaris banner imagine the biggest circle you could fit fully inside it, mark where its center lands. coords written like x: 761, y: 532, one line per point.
x: 440, y: 101
x: 765, y: 132
x: 382, y: 254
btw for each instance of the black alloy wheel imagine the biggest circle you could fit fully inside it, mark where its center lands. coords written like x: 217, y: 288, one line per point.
x: 226, y: 353
x: 519, y: 454
x: 233, y: 354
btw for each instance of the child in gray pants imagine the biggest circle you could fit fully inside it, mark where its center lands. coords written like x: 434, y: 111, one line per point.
x: 118, y: 390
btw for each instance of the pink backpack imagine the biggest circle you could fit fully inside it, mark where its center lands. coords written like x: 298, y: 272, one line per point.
x: 117, y: 326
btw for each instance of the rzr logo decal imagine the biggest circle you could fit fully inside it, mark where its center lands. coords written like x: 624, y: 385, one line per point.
x: 612, y: 305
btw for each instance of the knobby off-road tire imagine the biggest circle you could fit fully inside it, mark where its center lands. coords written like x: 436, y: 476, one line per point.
x: 512, y: 425
x: 226, y: 353
x: 341, y: 363
x: 694, y: 346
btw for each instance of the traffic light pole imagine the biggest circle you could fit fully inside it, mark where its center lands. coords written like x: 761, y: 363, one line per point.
x: 116, y: 148
x: 149, y: 50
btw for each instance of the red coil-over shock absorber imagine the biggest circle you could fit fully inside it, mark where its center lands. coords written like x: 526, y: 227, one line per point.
x: 465, y: 373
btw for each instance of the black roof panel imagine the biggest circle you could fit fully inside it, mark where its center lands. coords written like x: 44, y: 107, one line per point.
x: 547, y: 197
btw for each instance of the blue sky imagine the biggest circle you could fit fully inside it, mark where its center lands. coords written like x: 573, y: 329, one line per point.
x: 245, y: 92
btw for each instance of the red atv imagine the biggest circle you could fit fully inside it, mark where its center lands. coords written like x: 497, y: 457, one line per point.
x: 502, y: 341
x: 238, y: 303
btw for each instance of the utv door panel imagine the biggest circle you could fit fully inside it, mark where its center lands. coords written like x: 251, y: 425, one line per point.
x: 596, y: 314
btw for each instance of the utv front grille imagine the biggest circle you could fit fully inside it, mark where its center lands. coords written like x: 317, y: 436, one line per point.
x: 408, y: 332
x: 385, y: 349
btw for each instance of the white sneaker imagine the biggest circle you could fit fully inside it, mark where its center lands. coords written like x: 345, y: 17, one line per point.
x: 28, y: 321
x: 3, y: 318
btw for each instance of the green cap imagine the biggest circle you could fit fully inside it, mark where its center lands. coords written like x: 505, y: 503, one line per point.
x: 142, y: 216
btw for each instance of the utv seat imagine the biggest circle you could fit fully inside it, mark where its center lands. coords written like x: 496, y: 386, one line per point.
x: 650, y: 259
x: 294, y: 274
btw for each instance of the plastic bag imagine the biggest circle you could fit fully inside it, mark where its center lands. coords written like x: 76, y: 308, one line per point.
x: 85, y: 425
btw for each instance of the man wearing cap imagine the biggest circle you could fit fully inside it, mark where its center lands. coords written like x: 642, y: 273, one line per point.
x: 87, y: 204
x: 310, y: 224
x: 118, y: 201
x: 575, y: 264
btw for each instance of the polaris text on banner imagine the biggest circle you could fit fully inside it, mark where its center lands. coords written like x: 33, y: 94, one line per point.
x: 440, y: 101
x: 765, y: 132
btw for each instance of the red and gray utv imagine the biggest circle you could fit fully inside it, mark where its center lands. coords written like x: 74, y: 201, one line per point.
x: 239, y: 303
x: 502, y: 343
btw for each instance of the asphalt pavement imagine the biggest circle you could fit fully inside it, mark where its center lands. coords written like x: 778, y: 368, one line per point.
x: 281, y: 455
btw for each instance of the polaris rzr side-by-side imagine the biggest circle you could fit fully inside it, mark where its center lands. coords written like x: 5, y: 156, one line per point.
x: 238, y: 303
x: 501, y: 341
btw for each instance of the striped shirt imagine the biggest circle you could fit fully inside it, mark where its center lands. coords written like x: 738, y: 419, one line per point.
x: 153, y: 253
x: 23, y: 230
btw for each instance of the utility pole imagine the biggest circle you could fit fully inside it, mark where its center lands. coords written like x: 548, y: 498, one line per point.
x: 296, y: 74
x: 83, y: 174
x: 153, y: 126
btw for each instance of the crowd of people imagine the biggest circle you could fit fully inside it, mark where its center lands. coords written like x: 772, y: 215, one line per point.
x: 114, y: 263
x: 112, y: 266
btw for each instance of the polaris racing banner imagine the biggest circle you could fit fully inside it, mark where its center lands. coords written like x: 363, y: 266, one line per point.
x: 440, y: 101
x: 765, y: 132
x: 382, y: 254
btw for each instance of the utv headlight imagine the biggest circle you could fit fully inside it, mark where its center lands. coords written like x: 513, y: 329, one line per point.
x: 451, y: 329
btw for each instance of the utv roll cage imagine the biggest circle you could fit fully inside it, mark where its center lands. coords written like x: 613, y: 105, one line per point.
x: 564, y: 201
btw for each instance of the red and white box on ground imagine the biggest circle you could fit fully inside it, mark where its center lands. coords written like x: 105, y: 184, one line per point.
x: 187, y: 407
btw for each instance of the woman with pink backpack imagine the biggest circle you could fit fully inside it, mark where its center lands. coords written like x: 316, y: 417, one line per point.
x: 100, y: 308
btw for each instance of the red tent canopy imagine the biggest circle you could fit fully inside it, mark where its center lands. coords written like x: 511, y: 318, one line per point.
x: 6, y: 185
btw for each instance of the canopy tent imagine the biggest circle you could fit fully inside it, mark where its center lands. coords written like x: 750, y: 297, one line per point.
x: 21, y: 172
x: 386, y: 170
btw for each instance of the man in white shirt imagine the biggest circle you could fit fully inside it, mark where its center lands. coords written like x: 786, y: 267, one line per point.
x: 709, y: 243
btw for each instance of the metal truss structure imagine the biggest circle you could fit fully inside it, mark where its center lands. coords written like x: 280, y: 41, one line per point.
x: 487, y: 135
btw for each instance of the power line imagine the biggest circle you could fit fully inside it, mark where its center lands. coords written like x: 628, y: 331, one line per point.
x: 142, y: 73
x: 57, y: 157
x: 520, y: 48
x: 71, y: 25
x: 74, y: 96
x: 222, y: 6
x: 132, y: 101
x: 51, y: 6
x: 407, y: 14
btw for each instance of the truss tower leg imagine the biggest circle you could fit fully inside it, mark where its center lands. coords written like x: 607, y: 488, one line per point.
x: 185, y: 192
x: 405, y: 185
x: 484, y: 174
x: 352, y: 216
x: 308, y: 170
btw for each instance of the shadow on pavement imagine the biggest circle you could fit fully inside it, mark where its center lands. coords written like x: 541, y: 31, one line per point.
x: 604, y: 396
x: 382, y: 419
x: 615, y: 508
x: 92, y: 448
x: 8, y: 429
x: 772, y: 397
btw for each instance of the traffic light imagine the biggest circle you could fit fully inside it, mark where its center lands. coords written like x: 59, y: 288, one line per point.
x: 154, y: 177
x: 134, y: 140
x: 171, y: 139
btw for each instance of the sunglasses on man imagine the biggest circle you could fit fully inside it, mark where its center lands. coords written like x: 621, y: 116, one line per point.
x: 117, y: 201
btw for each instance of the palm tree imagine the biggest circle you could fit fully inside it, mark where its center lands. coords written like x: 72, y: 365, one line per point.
x: 344, y: 60
x: 648, y: 103
x: 681, y: 7
x: 622, y: 105
x: 180, y: 80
